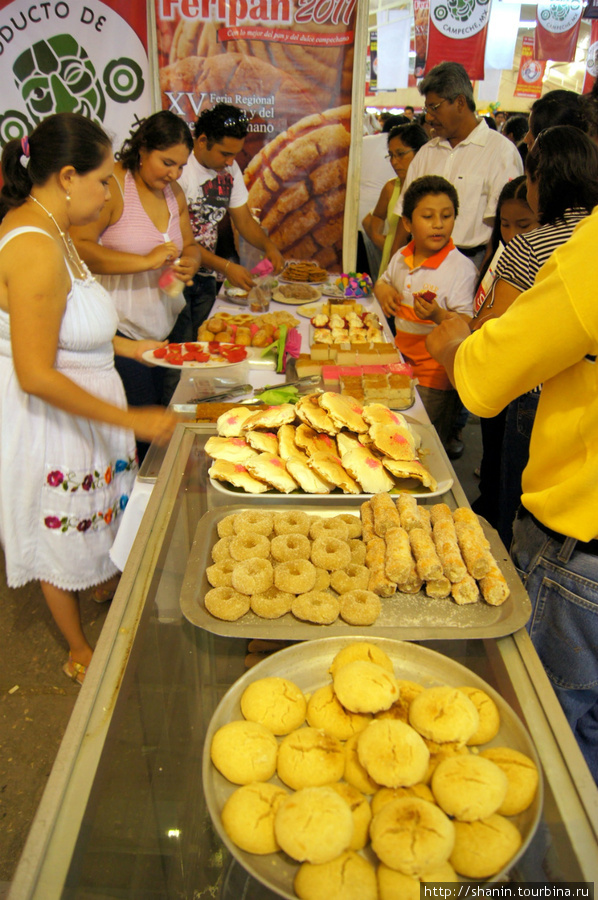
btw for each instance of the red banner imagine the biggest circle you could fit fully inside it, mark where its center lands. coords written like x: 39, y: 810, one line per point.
x: 531, y: 72
x: 458, y: 33
x: 421, y: 27
x: 557, y: 30
x: 289, y: 65
x: 591, y: 59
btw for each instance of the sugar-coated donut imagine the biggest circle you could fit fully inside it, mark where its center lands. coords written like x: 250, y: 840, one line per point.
x: 295, y: 577
x: 226, y: 527
x: 330, y: 553
x: 358, y: 551
x: 271, y: 604
x: 353, y: 578
x: 334, y: 527
x: 320, y: 607
x: 248, y: 545
x: 254, y: 521
x: 360, y: 607
x: 292, y: 522
x: 221, y: 574
x: 248, y: 816
x: 221, y: 549
x: 285, y: 547
x: 252, y: 576
x: 322, y: 579
x: 353, y: 523
x: 226, y: 603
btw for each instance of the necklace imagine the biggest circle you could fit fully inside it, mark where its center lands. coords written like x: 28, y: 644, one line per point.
x: 80, y: 268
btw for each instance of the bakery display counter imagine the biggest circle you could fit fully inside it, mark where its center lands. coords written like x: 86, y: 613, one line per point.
x: 124, y: 813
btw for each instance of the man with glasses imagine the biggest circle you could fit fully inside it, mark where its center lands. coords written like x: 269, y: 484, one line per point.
x: 475, y: 159
x: 213, y: 185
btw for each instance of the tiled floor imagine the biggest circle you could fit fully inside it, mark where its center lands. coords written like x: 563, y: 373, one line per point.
x: 36, y: 699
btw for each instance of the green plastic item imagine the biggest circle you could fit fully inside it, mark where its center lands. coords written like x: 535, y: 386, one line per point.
x: 279, y: 395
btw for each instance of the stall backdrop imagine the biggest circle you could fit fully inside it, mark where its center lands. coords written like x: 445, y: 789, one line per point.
x: 89, y: 58
x: 289, y: 64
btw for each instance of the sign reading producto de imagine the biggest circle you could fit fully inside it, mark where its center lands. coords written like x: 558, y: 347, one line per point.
x: 289, y: 64
x: 68, y: 56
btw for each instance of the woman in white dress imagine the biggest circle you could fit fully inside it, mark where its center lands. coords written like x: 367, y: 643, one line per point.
x: 67, y: 439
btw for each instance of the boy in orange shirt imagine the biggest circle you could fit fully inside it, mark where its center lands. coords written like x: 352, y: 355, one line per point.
x: 424, y: 281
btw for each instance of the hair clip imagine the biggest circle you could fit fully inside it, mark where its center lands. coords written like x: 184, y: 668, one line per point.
x: 25, y: 154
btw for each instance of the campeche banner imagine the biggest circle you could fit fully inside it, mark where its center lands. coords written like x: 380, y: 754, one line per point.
x: 531, y: 72
x: 458, y: 33
x: 89, y: 58
x: 591, y: 59
x: 557, y: 30
x: 290, y: 66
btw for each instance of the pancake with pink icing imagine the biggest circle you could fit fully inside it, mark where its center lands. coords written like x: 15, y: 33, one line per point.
x: 264, y: 441
x: 272, y: 469
x: 368, y: 470
x: 233, y: 449
x: 270, y: 417
x: 410, y: 469
x: 330, y: 468
x: 237, y: 475
x: 345, y: 411
x: 230, y: 424
x: 394, y: 441
x: 378, y: 414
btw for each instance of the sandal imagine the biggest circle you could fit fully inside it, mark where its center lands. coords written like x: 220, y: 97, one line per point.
x: 74, y: 670
x: 101, y: 593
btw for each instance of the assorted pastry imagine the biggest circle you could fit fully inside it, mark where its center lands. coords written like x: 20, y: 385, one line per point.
x: 369, y: 760
x: 319, y: 568
x: 322, y: 443
x: 304, y: 272
x: 245, y: 329
x: 355, y: 328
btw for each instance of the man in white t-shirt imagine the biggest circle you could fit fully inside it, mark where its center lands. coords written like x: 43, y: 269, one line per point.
x: 213, y: 185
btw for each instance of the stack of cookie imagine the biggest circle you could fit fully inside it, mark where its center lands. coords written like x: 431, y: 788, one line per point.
x: 411, y: 546
x: 369, y: 757
x: 324, y: 441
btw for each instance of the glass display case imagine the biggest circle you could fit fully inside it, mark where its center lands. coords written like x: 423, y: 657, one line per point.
x: 124, y: 813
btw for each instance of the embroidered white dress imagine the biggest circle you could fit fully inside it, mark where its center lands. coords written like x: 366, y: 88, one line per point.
x: 64, y: 480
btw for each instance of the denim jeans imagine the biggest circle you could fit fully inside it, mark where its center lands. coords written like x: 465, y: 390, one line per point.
x: 200, y: 297
x: 519, y: 422
x: 563, y: 590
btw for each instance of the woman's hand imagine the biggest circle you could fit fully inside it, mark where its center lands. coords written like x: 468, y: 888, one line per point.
x: 388, y: 297
x: 276, y: 258
x: 161, y: 255
x: 186, y: 268
x: 152, y: 423
x: 141, y: 347
x: 239, y: 276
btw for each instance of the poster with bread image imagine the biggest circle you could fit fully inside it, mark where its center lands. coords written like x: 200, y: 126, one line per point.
x: 289, y: 66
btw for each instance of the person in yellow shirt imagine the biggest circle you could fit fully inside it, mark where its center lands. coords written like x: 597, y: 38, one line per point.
x: 549, y: 335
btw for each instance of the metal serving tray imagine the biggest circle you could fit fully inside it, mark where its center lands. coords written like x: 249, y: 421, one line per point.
x: 307, y: 666
x: 407, y: 617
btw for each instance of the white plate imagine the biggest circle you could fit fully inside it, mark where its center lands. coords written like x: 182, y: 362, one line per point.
x: 253, y: 359
x: 277, y: 297
x: 307, y: 666
x: 431, y: 454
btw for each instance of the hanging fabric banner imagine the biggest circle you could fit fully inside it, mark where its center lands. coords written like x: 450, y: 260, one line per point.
x: 591, y: 59
x: 90, y: 59
x: 531, y: 72
x: 458, y: 32
x: 289, y: 65
x: 421, y: 27
x: 394, y: 32
x: 557, y: 30
x: 371, y: 80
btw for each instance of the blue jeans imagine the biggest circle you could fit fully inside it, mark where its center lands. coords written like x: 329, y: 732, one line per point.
x: 563, y: 589
x: 519, y: 422
x: 200, y: 297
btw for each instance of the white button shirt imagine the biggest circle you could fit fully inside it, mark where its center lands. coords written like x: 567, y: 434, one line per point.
x: 478, y: 167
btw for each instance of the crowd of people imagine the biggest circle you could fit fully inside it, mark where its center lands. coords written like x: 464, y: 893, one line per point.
x: 482, y: 270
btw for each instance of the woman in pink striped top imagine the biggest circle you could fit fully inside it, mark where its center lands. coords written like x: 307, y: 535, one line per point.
x: 143, y: 229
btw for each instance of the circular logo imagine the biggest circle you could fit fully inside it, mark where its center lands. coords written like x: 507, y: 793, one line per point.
x: 531, y: 71
x: 560, y: 17
x: 592, y: 60
x: 459, y: 19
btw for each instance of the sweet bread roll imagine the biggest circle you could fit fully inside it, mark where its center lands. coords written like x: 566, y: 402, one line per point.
x: 394, y: 885
x: 386, y: 794
x: 248, y: 817
x: 244, y: 752
x: 386, y: 515
x: 412, y: 836
x: 314, y: 824
x: 365, y: 687
x: 469, y: 787
x: 392, y: 753
x: 276, y: 703
x: 309, y: 758
x: 326, y: 713
x: 488, y: 713
x: 444, y: 714
x: 364, y: 650
x: 522, y: 776
x: 360, y: 810
x: 408, y: 691
x: 485, y: 847
x: 348, y: 877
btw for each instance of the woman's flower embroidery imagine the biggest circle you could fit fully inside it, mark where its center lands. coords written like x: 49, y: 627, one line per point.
x: 97, y: 521
x: 84, y: 525
x: 89, y: 481
x: 52, y: 522
x: 123, y: 501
